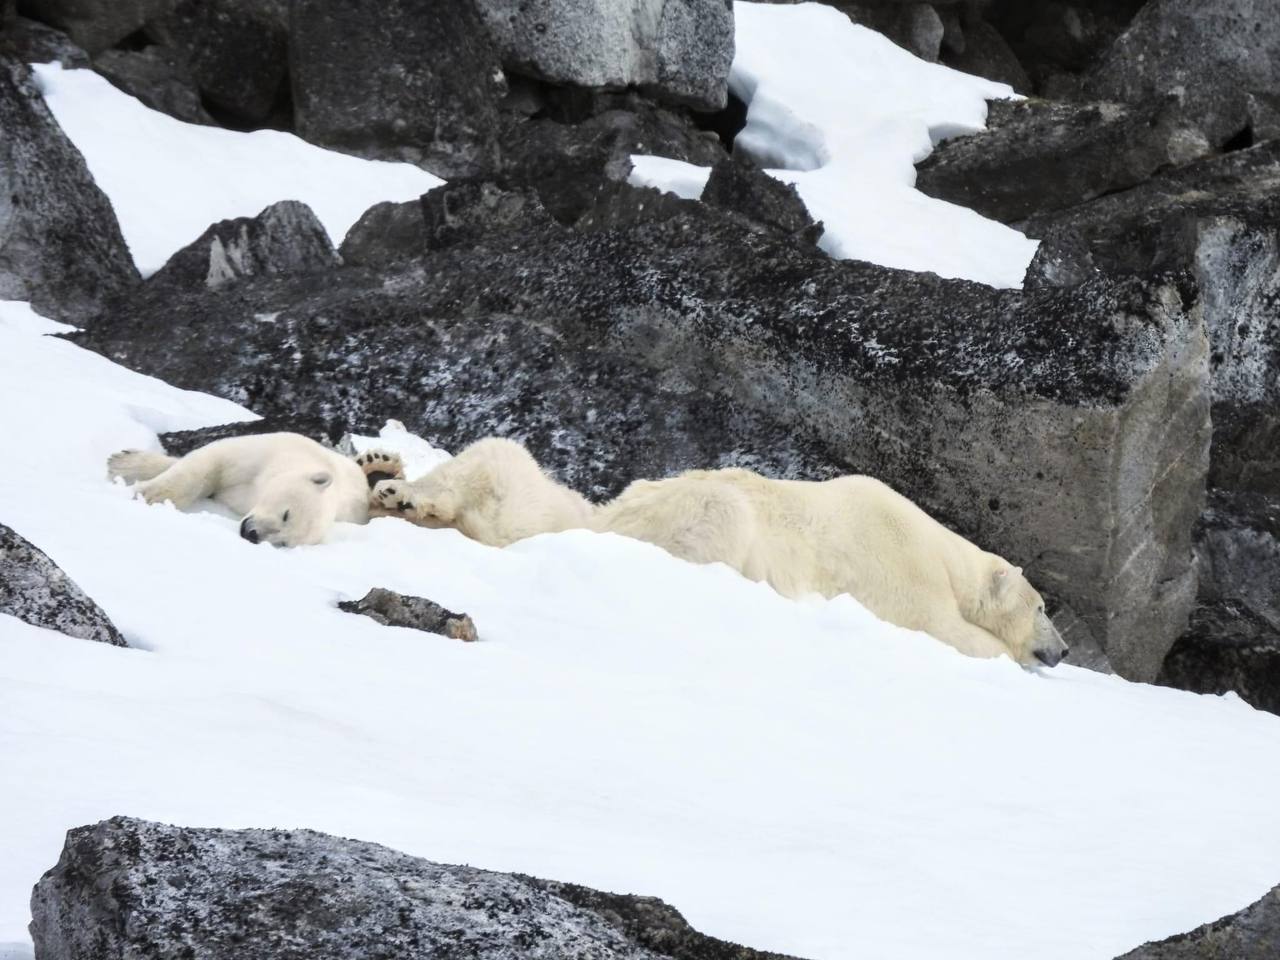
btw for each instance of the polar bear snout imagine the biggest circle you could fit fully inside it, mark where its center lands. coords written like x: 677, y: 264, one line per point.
x: 1051, y: 658
x: 1049, y: 647
x: 249, y: 531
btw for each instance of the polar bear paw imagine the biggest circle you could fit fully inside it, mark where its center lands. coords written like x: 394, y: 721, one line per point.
x: 393, y: 496
x: 380, y: 465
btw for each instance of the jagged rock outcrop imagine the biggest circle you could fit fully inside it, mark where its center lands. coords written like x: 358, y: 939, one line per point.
x: 1250, y: 934
x: 676, y: 50
x: 35, y: 590
x: 417, y: 80
x: 1039, y: 156
x: 131, y: 888
x: 1220, y: 218
x: 1064, y: 429
x: 60, y: 245
x: 285, y: 238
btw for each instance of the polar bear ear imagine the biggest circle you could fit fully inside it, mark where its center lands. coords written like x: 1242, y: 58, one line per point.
x: 322, y: 479
x: 1003, y: 578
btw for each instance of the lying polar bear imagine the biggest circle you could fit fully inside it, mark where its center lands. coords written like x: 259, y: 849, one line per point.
x: 493, y: 492
x: 850, y: 535
x: 288, y: 489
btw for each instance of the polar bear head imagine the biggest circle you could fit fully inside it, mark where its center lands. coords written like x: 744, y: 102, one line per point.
x: 292, y: 509
x: 1014, y: 611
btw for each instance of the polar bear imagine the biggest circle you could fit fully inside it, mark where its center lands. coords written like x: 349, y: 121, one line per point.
x: 493, y: 492
x: 851, y: 535
x: 288, y: 489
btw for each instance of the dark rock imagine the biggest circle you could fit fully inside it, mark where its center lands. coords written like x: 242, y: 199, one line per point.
x: 1037, y: 157
x: 1059, y: 40
x: 130, y: 888
x: 35, y: 590
x: 416, y: 80
x: 1065, y: 429
x: 386, y: 232
x: 1213, y: 52
x: 416, y: 613
x: 61, y: 246
x: 473, y: 210
x: 567, y: 164
x: 28, y: 41
x: 737, y: 184
x: 158, y: 77
x: 95, y: 25
x: 678, y: 51
x: 1251, y: 934
x: 179, y: 443
x: 237, y: 52
x: 1227, y: 647
x: 285, y: 238
x: 1220, y: 218
x: 913, y: 26
x: 1238, y: 546
x: 984, y: 53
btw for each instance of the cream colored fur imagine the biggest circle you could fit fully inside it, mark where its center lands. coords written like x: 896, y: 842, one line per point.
x: 850, y: 535
x: 493, y: 492
x: 263, y: 478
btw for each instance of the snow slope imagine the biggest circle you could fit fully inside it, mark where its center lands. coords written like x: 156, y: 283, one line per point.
x: 844, y: 114
x: 794, y: 776
x: 169, y: 180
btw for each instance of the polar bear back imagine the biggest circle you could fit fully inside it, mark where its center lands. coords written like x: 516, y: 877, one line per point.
x: 851, y: 535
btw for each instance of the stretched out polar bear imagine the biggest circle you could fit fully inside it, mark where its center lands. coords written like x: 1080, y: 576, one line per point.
x: 850, y: 535
x: 288, y: 489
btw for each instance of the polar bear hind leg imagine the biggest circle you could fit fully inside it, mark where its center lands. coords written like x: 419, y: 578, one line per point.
x: 134, y: 466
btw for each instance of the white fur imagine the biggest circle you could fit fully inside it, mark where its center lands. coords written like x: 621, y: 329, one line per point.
x: 261, y: 478
x: 493, y: 492
x: 849, y: 535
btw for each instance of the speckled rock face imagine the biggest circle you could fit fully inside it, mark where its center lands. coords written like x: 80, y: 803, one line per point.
x: 1210, y: 51
x: 1064, y: 429
x: 34, y: 589
x: 136, y: 890
x: 1251, y: 934
x: 415, y: 80
x: 1220, y: 219
x: 678, y: 50
x: 60, y: 245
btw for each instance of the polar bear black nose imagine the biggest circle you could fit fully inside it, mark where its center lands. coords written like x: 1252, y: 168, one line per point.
x: 250, y: 534
x: 1051, y: 658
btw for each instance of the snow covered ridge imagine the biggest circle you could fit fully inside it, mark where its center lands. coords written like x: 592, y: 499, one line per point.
x: 795, y: 776
x: 184, y: 176
x: 844, y: 113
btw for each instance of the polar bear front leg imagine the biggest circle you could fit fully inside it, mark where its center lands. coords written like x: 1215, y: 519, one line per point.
x: 969, y: 638
x: 187, y: 480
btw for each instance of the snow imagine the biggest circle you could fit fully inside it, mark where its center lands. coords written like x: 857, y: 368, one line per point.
x: 795, y: 776
x: 188, y: 176
x: 844, y: 114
